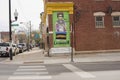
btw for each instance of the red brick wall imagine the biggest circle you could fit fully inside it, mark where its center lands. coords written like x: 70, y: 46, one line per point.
x: 87, y: 37
x: 5, y: 36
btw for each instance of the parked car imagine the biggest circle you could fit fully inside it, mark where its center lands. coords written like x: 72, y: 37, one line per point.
x: 24, y: 46
x: 30, y: 46
x: 15, y: 48
x: 20, y: 48
x: 5, y: 49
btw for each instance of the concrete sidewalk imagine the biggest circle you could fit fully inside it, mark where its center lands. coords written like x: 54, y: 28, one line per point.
x: 95, y: 57
x: 33, y: 56
x: 37, y: 56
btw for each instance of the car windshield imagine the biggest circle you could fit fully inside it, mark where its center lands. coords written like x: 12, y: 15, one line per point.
x: 21, y: 44
x: 4, y: 44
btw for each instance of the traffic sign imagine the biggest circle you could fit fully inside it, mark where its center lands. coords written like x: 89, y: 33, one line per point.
x: 14, y: 24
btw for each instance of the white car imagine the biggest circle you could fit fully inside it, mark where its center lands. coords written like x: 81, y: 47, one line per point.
x: 5, y: 49
x: 16, y: 49
x: 24, y: 46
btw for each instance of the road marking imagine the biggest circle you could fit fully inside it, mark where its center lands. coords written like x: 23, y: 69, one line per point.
x: 31, y: 66
x: 30, y: 69
x: 29, y: 77
x: 30, y: 73
x: 78, y: 71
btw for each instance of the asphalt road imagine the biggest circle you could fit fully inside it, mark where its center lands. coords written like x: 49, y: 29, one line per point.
x: 68, y: 71
x: 3, y: 58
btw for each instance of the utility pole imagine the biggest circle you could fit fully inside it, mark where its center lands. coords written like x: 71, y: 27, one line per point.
x: 10, y: 31
x: 73, y: 28
x: 0, y: 37
x: 28, y: 26
x: 30, y: 30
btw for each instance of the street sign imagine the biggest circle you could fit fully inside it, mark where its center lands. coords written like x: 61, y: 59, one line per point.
x: 14, y: 24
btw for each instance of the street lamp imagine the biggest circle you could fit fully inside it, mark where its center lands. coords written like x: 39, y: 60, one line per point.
x: 16, y: 15
x: 10, y: 30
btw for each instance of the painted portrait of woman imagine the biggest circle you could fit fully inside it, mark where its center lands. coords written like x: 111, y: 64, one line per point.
x: 60, y: 26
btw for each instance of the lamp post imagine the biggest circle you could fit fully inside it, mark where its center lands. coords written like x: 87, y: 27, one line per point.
x: 10, y: 30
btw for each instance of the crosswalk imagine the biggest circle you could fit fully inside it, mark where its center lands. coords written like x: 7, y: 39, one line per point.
x: 79, y: 72
x: 39, y: 72
x: 35, y: 72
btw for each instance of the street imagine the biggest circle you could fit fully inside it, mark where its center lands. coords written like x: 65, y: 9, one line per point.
x: 65, y: 71
x: 60, y: 39
x: 3, y: 58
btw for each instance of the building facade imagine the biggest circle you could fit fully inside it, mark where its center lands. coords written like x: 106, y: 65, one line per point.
x: 4, y: 36
x: 91, y: 24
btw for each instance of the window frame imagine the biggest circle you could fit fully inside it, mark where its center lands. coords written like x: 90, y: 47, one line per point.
x: 115, y: 21
x: 114, y: 14
x: 98, y: 23
x: 99, y: 14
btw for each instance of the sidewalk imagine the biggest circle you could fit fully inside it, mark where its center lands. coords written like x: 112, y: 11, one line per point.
x: 33, y: 56
x: 36, y: 56
x: 92, y: 57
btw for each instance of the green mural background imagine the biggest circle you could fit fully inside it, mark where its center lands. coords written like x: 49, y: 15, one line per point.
x: 65, y: 40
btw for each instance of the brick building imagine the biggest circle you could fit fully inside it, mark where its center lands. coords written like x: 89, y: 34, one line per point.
x: 4, y: 36
x: 93, y: 24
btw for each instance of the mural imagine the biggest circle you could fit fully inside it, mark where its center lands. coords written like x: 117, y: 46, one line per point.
x: 61, y: 29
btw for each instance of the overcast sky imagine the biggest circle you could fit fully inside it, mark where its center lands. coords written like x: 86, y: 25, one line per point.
x: 29, y: 10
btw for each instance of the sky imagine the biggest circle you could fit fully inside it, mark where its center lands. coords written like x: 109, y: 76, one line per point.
x: 28, y: 10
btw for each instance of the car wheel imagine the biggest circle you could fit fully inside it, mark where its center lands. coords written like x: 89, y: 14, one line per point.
x: 21, y: 51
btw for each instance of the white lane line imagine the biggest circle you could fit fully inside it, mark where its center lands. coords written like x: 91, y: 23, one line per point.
x: 31, y: 66
x: 29, y: 77
x: 78, y: 71
x: 30, y: 69
x: 30, y: 73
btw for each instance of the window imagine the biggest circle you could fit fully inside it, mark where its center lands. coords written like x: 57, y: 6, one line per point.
x: 99, y: 19
x: 116, y: 21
